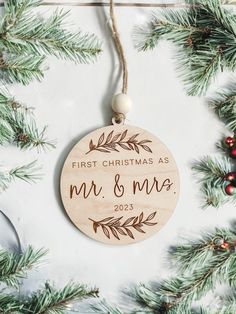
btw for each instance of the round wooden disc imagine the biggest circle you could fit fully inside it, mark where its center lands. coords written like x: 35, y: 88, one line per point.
x: 119, y: 184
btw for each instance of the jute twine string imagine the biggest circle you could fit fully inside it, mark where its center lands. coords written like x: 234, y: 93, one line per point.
x: 119, y: 117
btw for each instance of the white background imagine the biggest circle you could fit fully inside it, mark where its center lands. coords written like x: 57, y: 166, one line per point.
x: 73, y: 100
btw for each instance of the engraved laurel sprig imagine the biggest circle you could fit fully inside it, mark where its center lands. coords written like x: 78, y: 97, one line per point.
x: 114, y: 142
x: 111, y: 225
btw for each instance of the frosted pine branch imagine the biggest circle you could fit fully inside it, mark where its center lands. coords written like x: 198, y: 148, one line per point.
x: 202, y: 263
x: 13, y: 266
x: 51, y: 300
x: 28, y: 173
x: 205, y: 35
x: 26, y: 39
x: 223, y: 102
x: 17, y: 124
x: 210, y: 173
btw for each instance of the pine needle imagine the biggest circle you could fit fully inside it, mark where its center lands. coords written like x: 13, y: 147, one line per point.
x: 13, y: 266
x: 205, y: 36
x: 26, y: 39
x: 28, y: 173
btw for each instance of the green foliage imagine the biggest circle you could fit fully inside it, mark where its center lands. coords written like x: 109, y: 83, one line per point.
x: 201, y: 265
x: 50, y: 300
x: 14, y: 267
x: 26, y: 39
x: 205, y: 35
x: 28, y: 173
x: 223, y: 102
x: 211, y: 174
x: 105, y: 308
x: 17, y: 124
x: 9, y: 304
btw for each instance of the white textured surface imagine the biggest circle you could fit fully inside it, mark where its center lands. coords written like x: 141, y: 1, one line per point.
x: 74, y: 100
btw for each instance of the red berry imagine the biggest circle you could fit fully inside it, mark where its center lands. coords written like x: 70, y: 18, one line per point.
x: 230, y: 176
x: 225, y: 245
x: 230, y: 189
x: 233, y: 153
x: 229, y: 140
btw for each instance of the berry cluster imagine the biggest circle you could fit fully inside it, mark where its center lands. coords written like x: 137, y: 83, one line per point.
x: 230, y: 178
x: 231, y: 143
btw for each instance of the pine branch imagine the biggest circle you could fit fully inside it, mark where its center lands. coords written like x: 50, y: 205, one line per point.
x: 21, y: 69
x: 28, y: 173
x: 48, y: 37
x: 105, y: 308
x: 9, y: 304
x: 26, y: 133
x: 18, y: 124
x: 177, y: 295
x: 13, y: 266
x: 213, y: 195
x: 26, y: 39
x: 197, y: 71
x: 54, y: 301
x: 211, y: 173
x: 6, y: 131
x: 194, y: 253
x: 222, y: 304
x: 205, y: 36
x: 227, y: 305
x: 168, y: 24
x: 7, y: 102
x: 15, y: 10
x: 202, y: 264
x: 223, y: 102
x: 212, y: 170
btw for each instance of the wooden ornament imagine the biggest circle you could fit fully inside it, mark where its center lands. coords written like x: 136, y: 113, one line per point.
x: 119, y: 184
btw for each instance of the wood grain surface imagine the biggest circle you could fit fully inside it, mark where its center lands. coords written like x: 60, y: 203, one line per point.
x: 119, y: 184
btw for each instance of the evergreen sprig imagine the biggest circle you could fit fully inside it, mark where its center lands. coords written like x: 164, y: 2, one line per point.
x: 103, y: 307
x: 9, y: 304
x: 223, y: 102
x: 222, y: 304
x: 21, y: 69
x: 17, y: 124
x: 205, y: 35
x: 28, y: 173
x: 211, y: 173
x: 201, y: 264
x: 26, y: 39
x: 13, y: 266
x: 50, y: 300
x: 227, y: 305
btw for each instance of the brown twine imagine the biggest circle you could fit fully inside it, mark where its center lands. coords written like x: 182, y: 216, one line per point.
x: 118, y: 118
x: 119, y: 48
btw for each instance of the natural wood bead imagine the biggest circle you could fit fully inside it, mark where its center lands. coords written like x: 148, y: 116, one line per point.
x: 121, y: 103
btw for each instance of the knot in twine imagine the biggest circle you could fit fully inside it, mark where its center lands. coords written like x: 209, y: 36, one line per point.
x: 118, y: 118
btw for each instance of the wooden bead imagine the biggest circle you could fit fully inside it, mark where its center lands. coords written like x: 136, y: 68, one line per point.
x: 121, y: 103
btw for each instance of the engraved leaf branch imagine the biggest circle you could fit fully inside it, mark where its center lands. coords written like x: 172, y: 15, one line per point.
x: 113, y: 226
x: 114, y: 142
